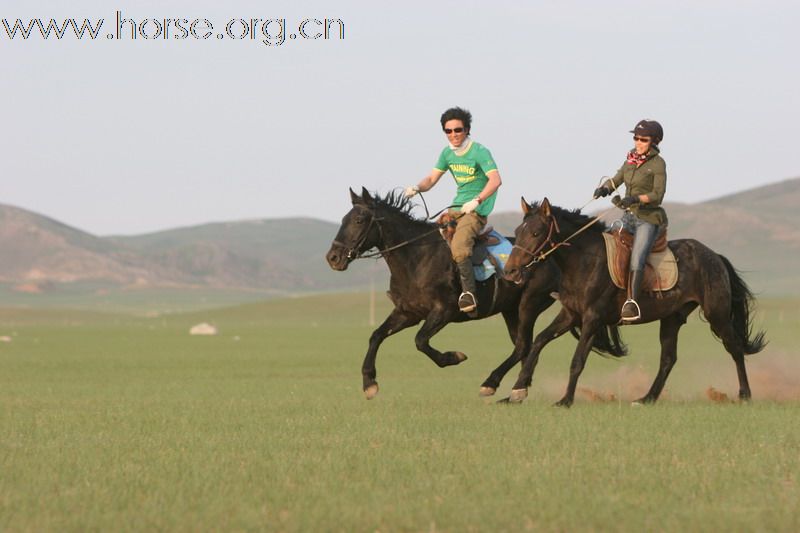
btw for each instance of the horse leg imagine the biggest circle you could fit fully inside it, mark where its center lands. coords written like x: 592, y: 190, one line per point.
x: 668, y: 335
x: 512, y: 324
x: 396, y: 321
x: 434, y: 323
x: 527, y: 313
x: 560, y: 325
x: 489, y: 386
x: 588, y: 331
x: 724, y: 330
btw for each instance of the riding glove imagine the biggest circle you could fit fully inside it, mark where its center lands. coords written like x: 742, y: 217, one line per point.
x: 601, y: 191
x: 470, y: 206
x: 629, y: 201
x: 411, y: 191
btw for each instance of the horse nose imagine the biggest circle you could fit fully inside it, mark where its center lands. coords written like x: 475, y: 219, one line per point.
x: 512, y: 274
x: 332, y: 257
x: 335, y: 259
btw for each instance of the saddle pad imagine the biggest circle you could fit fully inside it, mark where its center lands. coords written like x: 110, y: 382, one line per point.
x: 499, y: 248
x: 660, y: 272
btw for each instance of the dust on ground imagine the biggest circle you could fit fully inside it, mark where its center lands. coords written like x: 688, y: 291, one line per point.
x: 773, y: 375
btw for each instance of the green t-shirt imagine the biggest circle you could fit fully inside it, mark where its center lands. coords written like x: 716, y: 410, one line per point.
x: 469, y: 170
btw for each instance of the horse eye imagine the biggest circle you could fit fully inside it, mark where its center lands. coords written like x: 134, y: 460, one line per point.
x: 535, y: 233
x: 359, y: 220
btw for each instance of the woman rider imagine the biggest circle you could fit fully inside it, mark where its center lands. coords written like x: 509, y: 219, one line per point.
x: 477, y: 179
x: 645, y: 176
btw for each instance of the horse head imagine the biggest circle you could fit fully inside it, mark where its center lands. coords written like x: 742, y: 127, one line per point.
x: 532, y: 237
x: 357, y: 233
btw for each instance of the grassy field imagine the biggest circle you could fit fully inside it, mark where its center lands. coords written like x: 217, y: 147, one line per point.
x: 114, y: 299
x: 121, y: 422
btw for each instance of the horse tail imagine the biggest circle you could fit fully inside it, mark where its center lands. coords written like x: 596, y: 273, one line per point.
x: 607, y: 341
x: 741, y: 308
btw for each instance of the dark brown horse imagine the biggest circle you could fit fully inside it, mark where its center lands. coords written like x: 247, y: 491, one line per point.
x: 591, y: 301
x: 424, y: 286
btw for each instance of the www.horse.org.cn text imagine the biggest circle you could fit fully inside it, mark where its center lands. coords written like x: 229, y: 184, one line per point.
x: 268, y: 31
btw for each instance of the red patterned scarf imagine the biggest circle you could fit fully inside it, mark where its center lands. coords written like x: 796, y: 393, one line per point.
x: 636, y: 159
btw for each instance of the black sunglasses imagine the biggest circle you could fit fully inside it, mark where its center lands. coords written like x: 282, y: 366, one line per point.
x: 643, y: 139
x: 454, y: 130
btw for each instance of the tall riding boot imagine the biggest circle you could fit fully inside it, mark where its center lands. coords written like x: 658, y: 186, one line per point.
x: 467, y: 301
x: 630, y: 309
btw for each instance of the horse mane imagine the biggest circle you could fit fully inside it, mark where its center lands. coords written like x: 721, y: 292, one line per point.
x: 396, y: 202
x: 574, y: 218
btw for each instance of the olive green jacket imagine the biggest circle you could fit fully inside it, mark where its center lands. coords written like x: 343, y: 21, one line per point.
x: 649, y: 178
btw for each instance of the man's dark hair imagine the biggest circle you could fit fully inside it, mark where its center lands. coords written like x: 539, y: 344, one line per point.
x: 456, y: 113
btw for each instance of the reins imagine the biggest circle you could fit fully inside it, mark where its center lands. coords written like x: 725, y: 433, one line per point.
x: 538, y: 255
x: 379, y: 253
x: 439, y: 212
x: 352, y: 253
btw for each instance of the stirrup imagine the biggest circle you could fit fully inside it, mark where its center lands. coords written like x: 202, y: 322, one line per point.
x: 630, y: 318
x: 467, y: 302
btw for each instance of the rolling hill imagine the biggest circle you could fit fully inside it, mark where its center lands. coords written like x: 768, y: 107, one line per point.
x: 35, y: 249
x: 41, y: 255
x: 758, y: 230
x: 279, y: 254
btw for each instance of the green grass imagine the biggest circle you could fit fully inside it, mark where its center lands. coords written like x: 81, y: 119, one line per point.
x: 117, y: 422
x: 108, y: 298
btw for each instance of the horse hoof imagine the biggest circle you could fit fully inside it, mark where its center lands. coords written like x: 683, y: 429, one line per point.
x: 562, y: 403
x: 518, y: 395
x: 487, y: 391
x: 460, y: 357
x: 371, y: 391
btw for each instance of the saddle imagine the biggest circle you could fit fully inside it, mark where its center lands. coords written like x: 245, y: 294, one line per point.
x: 490, y: 252
x: 447, y: 227
x: 661, y: 267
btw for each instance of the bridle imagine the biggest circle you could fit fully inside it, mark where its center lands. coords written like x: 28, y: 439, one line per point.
x: 539, y: 254
x: 353, y: 252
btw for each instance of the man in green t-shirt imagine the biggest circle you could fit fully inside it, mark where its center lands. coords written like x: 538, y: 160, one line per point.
x: 477, y: 181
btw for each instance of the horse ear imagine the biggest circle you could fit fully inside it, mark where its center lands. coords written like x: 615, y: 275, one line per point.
x: 545, y: 207
x: 525, y: 207
x: 365, y: 195
x: 356, y: 199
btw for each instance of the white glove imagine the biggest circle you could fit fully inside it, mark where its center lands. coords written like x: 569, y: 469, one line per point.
x: 470, y: 206
x: 411, y: 191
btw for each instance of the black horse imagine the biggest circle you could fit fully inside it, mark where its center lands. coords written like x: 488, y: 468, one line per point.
x: 591, y: 300
x: 424, y: 286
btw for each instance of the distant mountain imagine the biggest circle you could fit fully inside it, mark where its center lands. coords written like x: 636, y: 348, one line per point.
x: 37, y: 249
x: 38, y: 254
x: 758, y: 230
x: 283, y: 254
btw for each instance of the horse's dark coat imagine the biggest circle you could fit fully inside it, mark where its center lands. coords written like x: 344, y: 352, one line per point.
x: 424, y: 286
x: 591, y: 301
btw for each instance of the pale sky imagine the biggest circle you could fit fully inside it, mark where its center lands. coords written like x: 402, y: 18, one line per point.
x: 136, y: 136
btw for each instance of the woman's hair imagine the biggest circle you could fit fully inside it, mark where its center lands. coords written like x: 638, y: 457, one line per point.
x: 456, y: 113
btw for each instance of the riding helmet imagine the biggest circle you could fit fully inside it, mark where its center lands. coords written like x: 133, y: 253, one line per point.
x: 650, y: 128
